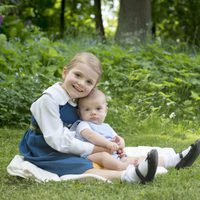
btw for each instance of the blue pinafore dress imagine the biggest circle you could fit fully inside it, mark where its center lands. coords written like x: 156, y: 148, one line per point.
x: 35, y: 149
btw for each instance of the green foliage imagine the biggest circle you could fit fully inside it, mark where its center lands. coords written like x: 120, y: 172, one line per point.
x: 177, y: 20
x: 143, y: 80
x: 26, y: 70
x: 5, y: 8
x: 152, y: 79
x: 20, y: 17
x: 173, y: 20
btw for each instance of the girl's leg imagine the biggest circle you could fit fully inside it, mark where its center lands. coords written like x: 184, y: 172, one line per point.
x: 108, y: 161
x: 108, y: 174
x: 185, y: 158
x: 144, y: 172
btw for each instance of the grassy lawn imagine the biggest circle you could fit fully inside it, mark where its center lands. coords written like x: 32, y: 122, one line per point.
x: 182, y: 184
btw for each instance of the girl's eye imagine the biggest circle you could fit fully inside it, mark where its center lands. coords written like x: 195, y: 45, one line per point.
x: 89, y: 82
x: 87, y: 109
x: 99, y: 108
x: 77, y: 75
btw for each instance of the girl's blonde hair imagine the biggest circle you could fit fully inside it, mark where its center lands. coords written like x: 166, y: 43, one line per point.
x: 86, y: 58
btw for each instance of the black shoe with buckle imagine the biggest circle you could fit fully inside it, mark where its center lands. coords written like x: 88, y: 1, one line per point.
x: 152, y: 159
x: 190, y: 157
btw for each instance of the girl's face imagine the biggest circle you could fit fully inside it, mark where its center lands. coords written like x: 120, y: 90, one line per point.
x: 79, y: 80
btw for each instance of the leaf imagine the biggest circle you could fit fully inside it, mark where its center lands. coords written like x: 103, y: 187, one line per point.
x: 52, y: 52
x: 195, y: 96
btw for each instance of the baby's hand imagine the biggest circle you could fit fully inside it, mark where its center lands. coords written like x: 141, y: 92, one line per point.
x: 121, y: 153
x: 112, y: 146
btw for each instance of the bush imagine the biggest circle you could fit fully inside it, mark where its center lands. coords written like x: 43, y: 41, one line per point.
x: 153, y: 79
x: 138, y: 80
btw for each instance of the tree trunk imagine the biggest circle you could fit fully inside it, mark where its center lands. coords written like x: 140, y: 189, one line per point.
x: 98, y: 19
x: 62, y: 19
x: 134, y: 19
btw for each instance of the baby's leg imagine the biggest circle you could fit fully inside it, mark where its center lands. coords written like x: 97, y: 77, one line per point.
x: 107, y: 161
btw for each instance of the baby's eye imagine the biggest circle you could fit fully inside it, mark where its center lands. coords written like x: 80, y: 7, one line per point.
x: 99, y: 108
x: 87, y: 109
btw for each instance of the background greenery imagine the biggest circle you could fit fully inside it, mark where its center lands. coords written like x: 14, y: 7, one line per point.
x: 152, y: 88
x: 140, y: 79
x: 177, y: 20
x: 153, y: 95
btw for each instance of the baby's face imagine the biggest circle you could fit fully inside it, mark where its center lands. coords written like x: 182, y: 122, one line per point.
x: 93, y: 109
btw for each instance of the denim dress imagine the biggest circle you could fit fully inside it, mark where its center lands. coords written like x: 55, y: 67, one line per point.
x: 35, y: 149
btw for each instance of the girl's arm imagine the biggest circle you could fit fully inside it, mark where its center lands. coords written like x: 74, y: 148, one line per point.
x: 46, y: 112
x: 100, y: 149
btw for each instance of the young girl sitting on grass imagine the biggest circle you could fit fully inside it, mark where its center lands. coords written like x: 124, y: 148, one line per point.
x: 93, y: 110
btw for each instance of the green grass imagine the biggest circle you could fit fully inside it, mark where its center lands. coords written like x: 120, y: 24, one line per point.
x: 177, y: 184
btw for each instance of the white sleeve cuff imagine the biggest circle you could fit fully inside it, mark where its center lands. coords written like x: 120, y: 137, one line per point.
x: 84, y: 149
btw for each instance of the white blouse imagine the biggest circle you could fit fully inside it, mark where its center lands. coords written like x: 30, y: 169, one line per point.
x: 46, y: 112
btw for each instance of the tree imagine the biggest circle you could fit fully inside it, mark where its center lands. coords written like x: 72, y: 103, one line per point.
x: 62, y: 19
x: 134, y: 19
x: 98, y: 19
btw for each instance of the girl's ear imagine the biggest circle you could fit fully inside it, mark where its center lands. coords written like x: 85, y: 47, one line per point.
x: 64, y: 72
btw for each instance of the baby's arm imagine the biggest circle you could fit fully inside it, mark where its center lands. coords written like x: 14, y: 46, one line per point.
x: 99, y: 140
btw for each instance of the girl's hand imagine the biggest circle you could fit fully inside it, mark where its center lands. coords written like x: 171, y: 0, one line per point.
x: 112, y: 146
x: 120, y: 141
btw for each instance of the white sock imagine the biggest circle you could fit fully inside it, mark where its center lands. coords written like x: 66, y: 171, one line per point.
x: 130, y: 175
x: 172, y: 161
x: 185, y: 152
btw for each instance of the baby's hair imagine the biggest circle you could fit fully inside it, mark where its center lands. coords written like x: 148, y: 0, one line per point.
x: 88, y: 59
x: 93, y: 94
